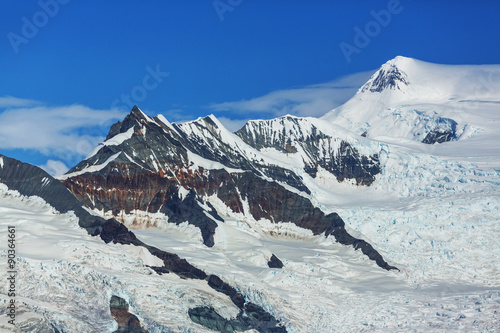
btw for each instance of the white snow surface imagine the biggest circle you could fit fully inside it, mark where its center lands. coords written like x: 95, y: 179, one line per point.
x: 92, y: 168
x: 434, y: 209
x: 433, y: 212
x: 464, y: 93
x: 114, y: 141
x: 66, y: 277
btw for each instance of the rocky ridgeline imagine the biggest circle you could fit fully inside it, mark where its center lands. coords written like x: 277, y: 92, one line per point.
x: 152, y: 172
x: 30, y: 180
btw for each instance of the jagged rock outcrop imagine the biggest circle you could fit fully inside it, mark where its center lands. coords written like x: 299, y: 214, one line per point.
x: 152, y: 166
x: 30, y: 180
x: 253, y: 317
x: 271, y: 201
x: 290, y: 135
x: 388, y: 77
x: 274, y: 262
x: 123, y: 188
x: 444, y: 130
x: 127, y: 322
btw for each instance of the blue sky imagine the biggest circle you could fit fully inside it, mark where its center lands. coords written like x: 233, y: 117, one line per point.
x: 71, y: 68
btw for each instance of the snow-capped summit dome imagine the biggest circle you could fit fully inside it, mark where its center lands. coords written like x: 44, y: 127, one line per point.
x: 416, y: 100
x: 389, y: 76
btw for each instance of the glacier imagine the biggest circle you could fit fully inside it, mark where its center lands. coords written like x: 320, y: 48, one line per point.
x: 432, y: 211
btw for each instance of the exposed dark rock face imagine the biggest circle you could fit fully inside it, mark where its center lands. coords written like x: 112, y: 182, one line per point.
x: 275, y: 262
x: 205, y: 138
x: 348, y: 164
x: 125, y: 187
x: 272, y: 201
x: 387, y: 77
x: 177, y: 265
x: 217, y: 284
x: 208, y: 317
x: 117, y: 233
x: 256, y: 317
x: 30, y: 180
x: 438, y: 135
x: 252, y: 318
x: 445, y: 130
x: 279, y: 133
x: 288, y: 134
x: 151, y: 169
x: 127, y: 322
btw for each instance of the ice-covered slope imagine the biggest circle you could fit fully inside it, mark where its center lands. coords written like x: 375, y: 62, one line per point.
x: 39, y: 235
x: 66, y: 278
x: 408, y: 99
x: 433, y: 207
x: 273, y: 190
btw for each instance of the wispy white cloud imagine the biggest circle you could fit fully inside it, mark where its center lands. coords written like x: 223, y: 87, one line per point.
x: 314, y: 100
x: 9, y: 101
x: 55, y: 168
x: 63, y: 131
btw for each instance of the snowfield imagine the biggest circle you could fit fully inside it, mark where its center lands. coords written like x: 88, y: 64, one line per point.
x: 433, y: 212
x: 67, y: 277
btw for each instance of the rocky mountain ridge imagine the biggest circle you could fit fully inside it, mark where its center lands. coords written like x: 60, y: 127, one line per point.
x: 31, y: 181
x: 278, y: 227
x: 178, y: 169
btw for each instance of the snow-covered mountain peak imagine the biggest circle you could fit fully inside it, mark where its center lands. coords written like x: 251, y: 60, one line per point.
x: 209, y: 120
x: 402, y: 63
x: 135, y: 117
x: 280, y: 132
x: 414, y: 100
x: 207, y: 129
x: 391, y: 75
x: 136, y: 112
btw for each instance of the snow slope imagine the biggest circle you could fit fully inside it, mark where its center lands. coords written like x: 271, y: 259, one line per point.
x: 434, y: 208
x: 66, y: 278
x: 423, y: 93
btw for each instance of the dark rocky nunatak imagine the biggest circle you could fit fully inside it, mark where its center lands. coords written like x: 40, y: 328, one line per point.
x: 127, y: 322
x: 444, y: 131
x: 275, y: 262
